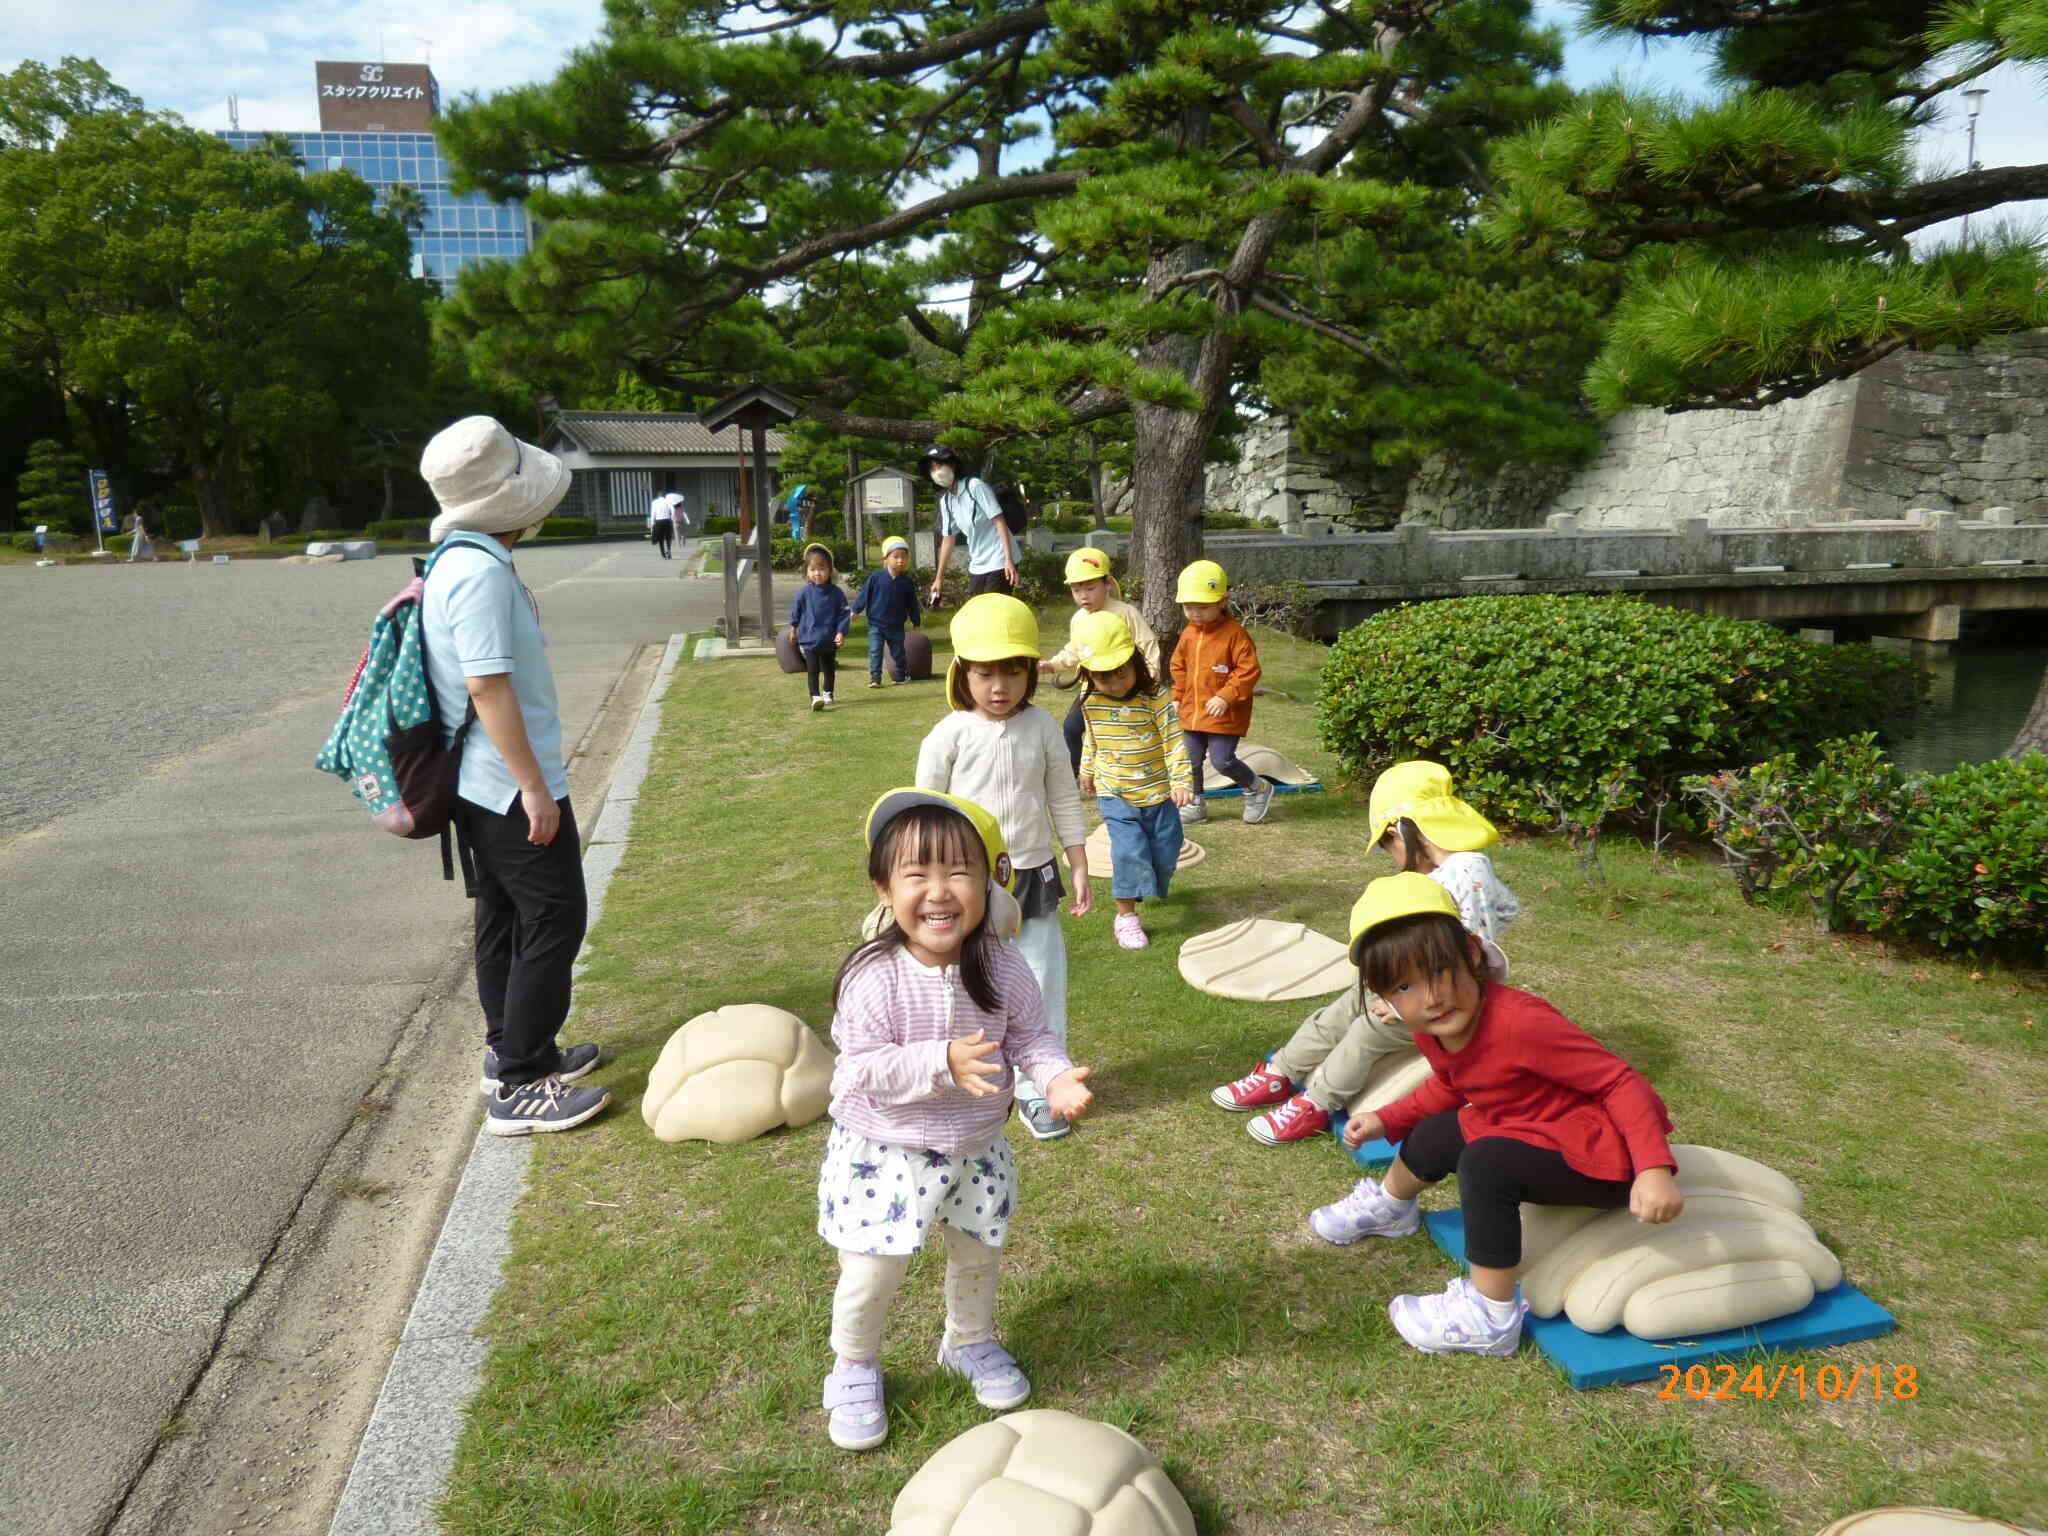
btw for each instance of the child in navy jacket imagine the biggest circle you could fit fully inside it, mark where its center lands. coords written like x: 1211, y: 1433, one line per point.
x: 888, y: 598
x: 817, y: 623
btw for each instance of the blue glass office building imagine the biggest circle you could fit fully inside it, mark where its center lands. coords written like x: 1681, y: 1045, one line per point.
x: 459, y: 231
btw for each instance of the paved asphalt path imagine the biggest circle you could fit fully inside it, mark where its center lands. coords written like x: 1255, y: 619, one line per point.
x: 206, y: 953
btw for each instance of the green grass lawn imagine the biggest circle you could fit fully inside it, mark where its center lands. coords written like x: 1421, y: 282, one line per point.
x: 660, y: 1341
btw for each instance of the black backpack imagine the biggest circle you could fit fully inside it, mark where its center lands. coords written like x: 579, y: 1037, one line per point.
x: 1016, y: 510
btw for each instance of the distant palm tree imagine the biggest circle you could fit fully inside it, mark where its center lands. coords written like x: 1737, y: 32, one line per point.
x: 278, y: 146
x: 406, y: 204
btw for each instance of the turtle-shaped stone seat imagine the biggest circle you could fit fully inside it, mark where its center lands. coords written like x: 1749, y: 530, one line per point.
x: 735, y: 1073
x: 1041, y: 1472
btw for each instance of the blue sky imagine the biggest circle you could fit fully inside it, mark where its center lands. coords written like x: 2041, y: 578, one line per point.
x: 190, y: 56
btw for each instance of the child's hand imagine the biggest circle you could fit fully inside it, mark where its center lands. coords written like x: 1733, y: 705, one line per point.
x: 1360, y: 1129
x: 1183, y: 797
x: 968, y: 1061
x: 1067, y: 1096
x: 839, y: 640
x: 1654, y: 1196
x: 1046, y: 666
x: 1084, y: 898
x: 1086, y: 785
x: 1215, y: 709
x: 1380, y: 1010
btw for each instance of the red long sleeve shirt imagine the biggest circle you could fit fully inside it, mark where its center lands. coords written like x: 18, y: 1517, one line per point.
x: 1531, y: 1074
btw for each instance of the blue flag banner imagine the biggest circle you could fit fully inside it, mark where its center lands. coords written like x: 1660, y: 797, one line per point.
x: 103, y: 510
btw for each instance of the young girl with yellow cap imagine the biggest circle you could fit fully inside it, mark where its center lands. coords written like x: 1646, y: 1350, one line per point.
x: 1001, y: 751
x: 1094, y: 590
x: 1428, y: 830
x: 1521, y: 1104
x: 1133, y: 755
x: 1215, y: 669
x: 932, y: 1019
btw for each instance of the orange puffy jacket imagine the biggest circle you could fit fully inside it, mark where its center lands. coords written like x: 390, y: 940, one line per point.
x: 1215, y: 661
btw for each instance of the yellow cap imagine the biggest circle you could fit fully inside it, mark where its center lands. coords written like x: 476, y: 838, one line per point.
x: 893, y: 803
x: 1202, y: 582
x: 1090, y: 564
x: 1409, y: 894
x: 815, y: 548
x: 1421, y: 792
x: 1102, y: 640
x: 894, y: 542
x: 994, y: 627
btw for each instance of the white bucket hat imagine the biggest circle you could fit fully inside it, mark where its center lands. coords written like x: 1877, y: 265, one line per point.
x: 488, y: 481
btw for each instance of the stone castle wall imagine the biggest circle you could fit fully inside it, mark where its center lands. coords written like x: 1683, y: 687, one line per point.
x: 1960, y: 431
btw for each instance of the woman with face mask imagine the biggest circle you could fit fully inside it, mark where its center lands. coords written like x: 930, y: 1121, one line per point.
x: 968, y: 510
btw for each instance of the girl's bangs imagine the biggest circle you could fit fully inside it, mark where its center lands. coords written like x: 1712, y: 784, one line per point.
x: 929, y: 834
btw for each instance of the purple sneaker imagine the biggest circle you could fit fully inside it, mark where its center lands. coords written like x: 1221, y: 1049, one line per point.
x: 860, y: 1421
x: 993, y: 1371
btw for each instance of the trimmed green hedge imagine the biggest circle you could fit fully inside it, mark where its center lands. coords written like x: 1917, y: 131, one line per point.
x: 569, y: 528
x: 1544, y: 706
x: 401, y: 530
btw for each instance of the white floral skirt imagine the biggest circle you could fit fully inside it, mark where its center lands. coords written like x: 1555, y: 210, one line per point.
x: 881, y: 1198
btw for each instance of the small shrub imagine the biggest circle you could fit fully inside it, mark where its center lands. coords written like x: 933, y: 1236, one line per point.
x: 25, y: 541
x: 1283, y: 605
x: 1041, y: 579
x: 828, y: 525
x: 718, y: 525
x: 1066, y: 522
x: 119, y: 543
x: 1232, y: 521
x: 1821, y: 829
x: 1951, y: 859
x: 174, y: 522
x: 1572, y: 707
x: 788, y: 555
x: 569, y: 528
x: 401, y: 530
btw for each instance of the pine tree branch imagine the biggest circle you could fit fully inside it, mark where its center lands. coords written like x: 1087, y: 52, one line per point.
x: 923, y: 326
x: 1737, y: 397
x: 1271, y: 152
x: 1095, y: 405
x: 1281, y: 309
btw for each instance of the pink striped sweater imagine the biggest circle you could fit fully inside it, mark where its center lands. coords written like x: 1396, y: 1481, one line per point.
x: 895, y: 1019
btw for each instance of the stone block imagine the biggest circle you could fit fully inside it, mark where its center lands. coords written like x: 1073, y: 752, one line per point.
x: 2007, y: 448
x: 347, y: 549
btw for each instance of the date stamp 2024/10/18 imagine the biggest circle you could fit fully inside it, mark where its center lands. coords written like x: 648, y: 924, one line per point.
x: 1829, y: 1382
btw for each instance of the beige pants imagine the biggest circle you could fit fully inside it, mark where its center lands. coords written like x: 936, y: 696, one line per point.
x: 1336, y: 1048
x: 868, y: 1282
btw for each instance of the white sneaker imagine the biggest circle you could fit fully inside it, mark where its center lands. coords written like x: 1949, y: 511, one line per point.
x: 1193, y: 813
x: 1257, y: 801
x: 1455, y: 1322
x: 827, y: 697
x: 1368, y: 1211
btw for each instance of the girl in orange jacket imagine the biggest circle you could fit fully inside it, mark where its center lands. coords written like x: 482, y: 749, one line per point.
x: 1215, y: 668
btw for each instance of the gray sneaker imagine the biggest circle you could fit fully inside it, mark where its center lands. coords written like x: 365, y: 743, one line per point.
x: 547, y: 1105
x: 1039, y: 1119
x: 577, y: 1061
x: 1193, y: 813
x: 1257, y: 800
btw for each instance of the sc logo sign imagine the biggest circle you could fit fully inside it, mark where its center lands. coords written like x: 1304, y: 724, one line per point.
x: 372, y: 73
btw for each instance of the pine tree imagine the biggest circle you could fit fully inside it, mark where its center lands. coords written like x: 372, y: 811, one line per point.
x: 52, y: 489
x: 1094, y: 209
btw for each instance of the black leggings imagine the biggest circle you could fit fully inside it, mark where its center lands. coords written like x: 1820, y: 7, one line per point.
x: 1221, y: 753
x: 1074, y: 725
x: 1495, y: 1175
x: 822, y: 661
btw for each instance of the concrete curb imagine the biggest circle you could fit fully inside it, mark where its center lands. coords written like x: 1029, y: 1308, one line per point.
x: 402, y: 1465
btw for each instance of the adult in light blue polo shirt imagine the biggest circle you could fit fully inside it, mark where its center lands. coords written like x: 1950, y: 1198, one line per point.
x: 485, y: 653
x: 968, y: 509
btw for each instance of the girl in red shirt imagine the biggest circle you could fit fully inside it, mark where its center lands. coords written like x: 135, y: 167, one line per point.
x: 1523, y: 1106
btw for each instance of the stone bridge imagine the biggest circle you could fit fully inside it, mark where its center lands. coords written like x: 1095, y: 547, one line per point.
x: 1913, y: 577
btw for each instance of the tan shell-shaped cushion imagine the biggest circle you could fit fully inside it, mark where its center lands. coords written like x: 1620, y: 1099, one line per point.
x: 1920, y: 1520
x: 1393, y: 1076
x: 1041, y: 1473
x: 1731, y: 1170
x: 1191, y: 854
x: 1545, y: 1282
x: 1003, y: 912
x: 1268, y: 764
x: 1598, y: 1296
x: 735, y: 1072
x: 1719, y: 1296
x: 1261, y: 960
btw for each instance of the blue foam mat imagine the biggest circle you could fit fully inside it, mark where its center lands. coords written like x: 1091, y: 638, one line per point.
x: 1230, y: 791
x: 1840, y: 1316
x: 1373, y: 1156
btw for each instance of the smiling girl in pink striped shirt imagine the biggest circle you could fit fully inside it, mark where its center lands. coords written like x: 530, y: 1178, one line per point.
x: 933, y: 1020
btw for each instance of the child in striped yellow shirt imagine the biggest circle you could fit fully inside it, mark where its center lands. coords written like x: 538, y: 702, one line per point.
x: 1134, y: 760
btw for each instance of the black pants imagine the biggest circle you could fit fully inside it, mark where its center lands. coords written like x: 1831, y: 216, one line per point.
x: 1221, y: 753
x: 664, y: 535
x: 821, y: 666
x: 1075, y: 725
x: 1495, y: 1175
x: 988, y: 581
x: 530, y: 915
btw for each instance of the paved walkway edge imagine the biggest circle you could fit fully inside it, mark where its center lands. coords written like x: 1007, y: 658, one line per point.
x: 402, y: 1466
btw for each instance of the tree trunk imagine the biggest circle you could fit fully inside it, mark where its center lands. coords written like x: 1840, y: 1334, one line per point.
x: 212, y: 496
x: 2033, y: 736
